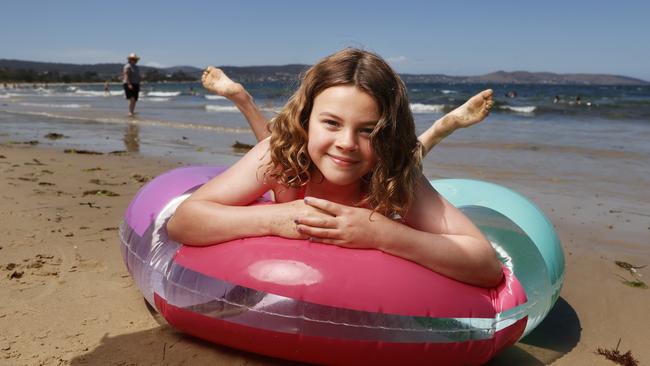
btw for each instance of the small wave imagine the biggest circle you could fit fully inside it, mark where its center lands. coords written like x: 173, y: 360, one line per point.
x: 213, y: 97
x: 41, y: 90
x: 142, y: 122
x: 46, y: 105
x: 95, y: 93
x: 13, y: 95
x: 445, y: 91
x: 523, y: 109
x: 427, y: 108
x: 221, y: 108
x: 71, y: 88
x: 163, y: 94
x: 158, y: 99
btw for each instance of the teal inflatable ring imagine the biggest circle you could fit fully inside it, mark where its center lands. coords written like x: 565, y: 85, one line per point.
x: 530, y: 247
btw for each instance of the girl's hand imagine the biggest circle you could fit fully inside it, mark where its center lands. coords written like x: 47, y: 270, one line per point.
x: 284, y: 223
x: 346, y: 226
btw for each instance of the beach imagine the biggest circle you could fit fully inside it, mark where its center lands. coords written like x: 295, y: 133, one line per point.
x: 68, y: 298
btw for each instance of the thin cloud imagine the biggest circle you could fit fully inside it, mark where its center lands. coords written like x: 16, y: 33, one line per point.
x: 397, y: 60
x: 155, y: 64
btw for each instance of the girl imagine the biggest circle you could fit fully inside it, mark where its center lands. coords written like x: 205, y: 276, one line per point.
x: 345, y: 166
x: 470, y: 113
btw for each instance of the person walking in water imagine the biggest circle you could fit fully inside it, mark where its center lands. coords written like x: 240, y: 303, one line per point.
x: 131, y: 74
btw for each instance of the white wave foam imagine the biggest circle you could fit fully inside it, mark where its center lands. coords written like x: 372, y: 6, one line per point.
x: 129, y: 120
x: 220, y: 108
x: 523, y: 109
x: 427, y: 108
x: 157, y: 99
x: 163, y: 94
x: 96, y: 93
x: 213, y: 97
x: 41, y: 90
x: 71, y: 88
x: 445, y: 91
x: 47, y: 105
x: 5, y: 96
x: 13, y: 95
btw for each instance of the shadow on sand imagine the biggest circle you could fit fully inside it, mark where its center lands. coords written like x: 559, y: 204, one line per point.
x: 558, y: 334
x: 163, y: 345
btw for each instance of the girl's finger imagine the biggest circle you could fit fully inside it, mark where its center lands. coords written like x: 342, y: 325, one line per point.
x: 325, y: 205
x: 317, y: 222
x: 316, y: 232
x: 326, y: 241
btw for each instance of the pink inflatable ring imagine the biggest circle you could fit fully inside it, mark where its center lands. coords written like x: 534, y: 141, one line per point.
x: 311, y: 302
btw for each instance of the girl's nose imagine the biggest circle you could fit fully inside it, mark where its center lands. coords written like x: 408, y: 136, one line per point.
x: 346, y: 140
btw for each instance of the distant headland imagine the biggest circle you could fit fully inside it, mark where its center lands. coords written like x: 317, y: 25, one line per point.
x: 42, y: 72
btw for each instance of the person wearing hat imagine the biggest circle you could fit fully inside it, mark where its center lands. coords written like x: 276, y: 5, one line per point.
x: 131, y: 75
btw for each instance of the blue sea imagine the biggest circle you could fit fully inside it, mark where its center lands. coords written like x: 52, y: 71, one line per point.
x: 184, y: 109
x: 586, y: 124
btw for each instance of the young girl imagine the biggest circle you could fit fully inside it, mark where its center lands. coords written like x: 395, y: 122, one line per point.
x: 345, y: 166
x: 473, y: 111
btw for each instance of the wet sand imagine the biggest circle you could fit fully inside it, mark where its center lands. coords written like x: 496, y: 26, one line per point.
x: 68, y: 299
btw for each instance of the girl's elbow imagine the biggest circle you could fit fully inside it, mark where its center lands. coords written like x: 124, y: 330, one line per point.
x: 177, y: 225
x: 491, y: 269
x: 496, y: 275
x: 493, y: 272
x: 173, y: 230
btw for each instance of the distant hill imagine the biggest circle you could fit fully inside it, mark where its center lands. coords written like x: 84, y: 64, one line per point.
x: 30, y: 71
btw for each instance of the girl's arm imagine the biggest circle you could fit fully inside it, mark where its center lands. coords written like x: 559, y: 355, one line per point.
x: 439, y: 236
x: 219, y: 211
x: 436, y: 235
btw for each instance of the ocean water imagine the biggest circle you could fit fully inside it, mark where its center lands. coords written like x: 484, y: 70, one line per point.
x: 531, y: 131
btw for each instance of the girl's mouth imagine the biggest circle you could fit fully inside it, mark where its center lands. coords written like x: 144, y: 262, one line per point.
x: 342, y: 161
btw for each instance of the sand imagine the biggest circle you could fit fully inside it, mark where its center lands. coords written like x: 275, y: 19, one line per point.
x: 68, y: 299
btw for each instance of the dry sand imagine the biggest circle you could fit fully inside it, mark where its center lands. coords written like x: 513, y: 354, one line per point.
x: 68, y: 299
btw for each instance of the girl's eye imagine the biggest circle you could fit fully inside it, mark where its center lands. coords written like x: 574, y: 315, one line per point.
x: 331, y: 123
x: 367, y: 131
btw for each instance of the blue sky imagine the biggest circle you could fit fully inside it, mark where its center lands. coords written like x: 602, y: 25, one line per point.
x: 451, y: 37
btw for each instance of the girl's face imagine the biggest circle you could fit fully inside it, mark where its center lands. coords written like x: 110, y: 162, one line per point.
x: 340, y: 124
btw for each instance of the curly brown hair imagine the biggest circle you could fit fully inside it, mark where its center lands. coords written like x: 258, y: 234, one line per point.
x: 390, y: 185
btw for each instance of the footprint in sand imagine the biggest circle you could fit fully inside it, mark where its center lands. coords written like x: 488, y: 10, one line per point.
x: 35, y: 277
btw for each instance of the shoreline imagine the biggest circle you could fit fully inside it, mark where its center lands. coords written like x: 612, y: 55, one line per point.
x: 75, y: 303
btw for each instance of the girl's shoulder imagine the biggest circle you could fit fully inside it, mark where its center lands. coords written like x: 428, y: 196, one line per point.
x: 259, y: 159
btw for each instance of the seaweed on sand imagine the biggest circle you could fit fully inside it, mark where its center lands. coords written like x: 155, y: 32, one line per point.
x: 83, y: 152
x: 100, y: 192
x: 625, y: 359
x: 636, y: 281
x: 629, y: 267
x: 55, y: 136
x: 241, y: 147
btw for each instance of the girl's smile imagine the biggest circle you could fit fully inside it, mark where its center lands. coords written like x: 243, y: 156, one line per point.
x: 340, y: 124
